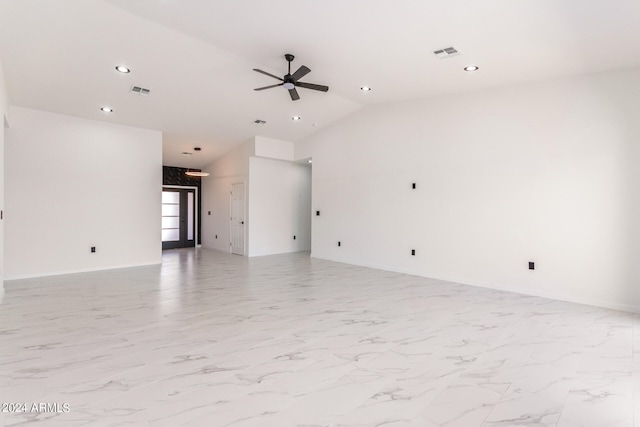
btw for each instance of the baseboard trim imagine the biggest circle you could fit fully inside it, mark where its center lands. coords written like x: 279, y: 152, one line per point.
x: 516, y: 290
x: 208, y: 248
x: 563, y: 297
x: 279, y: 253
x: 88, y: 270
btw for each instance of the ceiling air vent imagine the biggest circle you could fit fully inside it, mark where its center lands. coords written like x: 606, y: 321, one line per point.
x: 137, y: 90
x: 447, y: 52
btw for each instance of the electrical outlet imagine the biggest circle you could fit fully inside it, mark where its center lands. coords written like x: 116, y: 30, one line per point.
x: 317, y: 213
x: 413, y: 252
x: 294, y: 237
x: 216, y: 236
x: 339, y: 243
x: 93, y: 249
x: 532, y: 265
x: 208, y: 212
x: 413, y: 185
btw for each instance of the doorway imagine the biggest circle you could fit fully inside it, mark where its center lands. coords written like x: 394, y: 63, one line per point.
x: 179, y: 229
x: 237, y: 210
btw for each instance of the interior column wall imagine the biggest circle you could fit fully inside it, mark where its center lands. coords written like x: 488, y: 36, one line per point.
x: 280, y: 207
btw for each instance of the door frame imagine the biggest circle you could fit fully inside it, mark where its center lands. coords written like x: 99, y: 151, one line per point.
x: 196, y: 207
x: 244, y: 211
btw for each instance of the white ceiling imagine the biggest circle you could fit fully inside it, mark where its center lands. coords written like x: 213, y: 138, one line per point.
x: 197, y: 57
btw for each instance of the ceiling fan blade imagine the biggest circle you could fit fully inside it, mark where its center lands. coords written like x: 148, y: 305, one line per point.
x: 269, y: 87
x: 302, y: 71
x: 294, y: 94
x: 312, y: 86
x: 268, y: 74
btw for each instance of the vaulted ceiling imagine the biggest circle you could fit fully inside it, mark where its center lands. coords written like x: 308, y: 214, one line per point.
x: 197, y: 56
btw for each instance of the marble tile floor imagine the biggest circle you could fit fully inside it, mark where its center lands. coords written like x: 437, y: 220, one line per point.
x: 210, y: 339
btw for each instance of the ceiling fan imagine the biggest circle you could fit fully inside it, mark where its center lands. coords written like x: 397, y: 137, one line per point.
x: 290, y: 81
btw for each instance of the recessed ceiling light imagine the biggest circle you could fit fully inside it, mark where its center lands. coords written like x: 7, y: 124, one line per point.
x: 122, y: 69
x: 186, y: 153
x: 471, y: 68
x: 309, y: 161
x: 107, y: 109
x: 296, y: 118
x: 365, y: 88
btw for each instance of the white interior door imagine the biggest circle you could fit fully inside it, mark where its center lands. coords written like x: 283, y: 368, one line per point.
x: 237, y: 218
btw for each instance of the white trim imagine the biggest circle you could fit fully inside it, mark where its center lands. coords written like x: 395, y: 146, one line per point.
x: 282, y: 253
x: 5, y: 117
x: 189, y: 187
x: 89, y: 270
x: 222, y: 251
x: 516, y: 290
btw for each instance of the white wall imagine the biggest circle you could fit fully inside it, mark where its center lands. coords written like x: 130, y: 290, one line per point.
x: 4, y: 111
x: 74, y: 183
x: 546, y: 172
x: 274, y: 148
x: 231, y: 168
x: 280, y: 198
